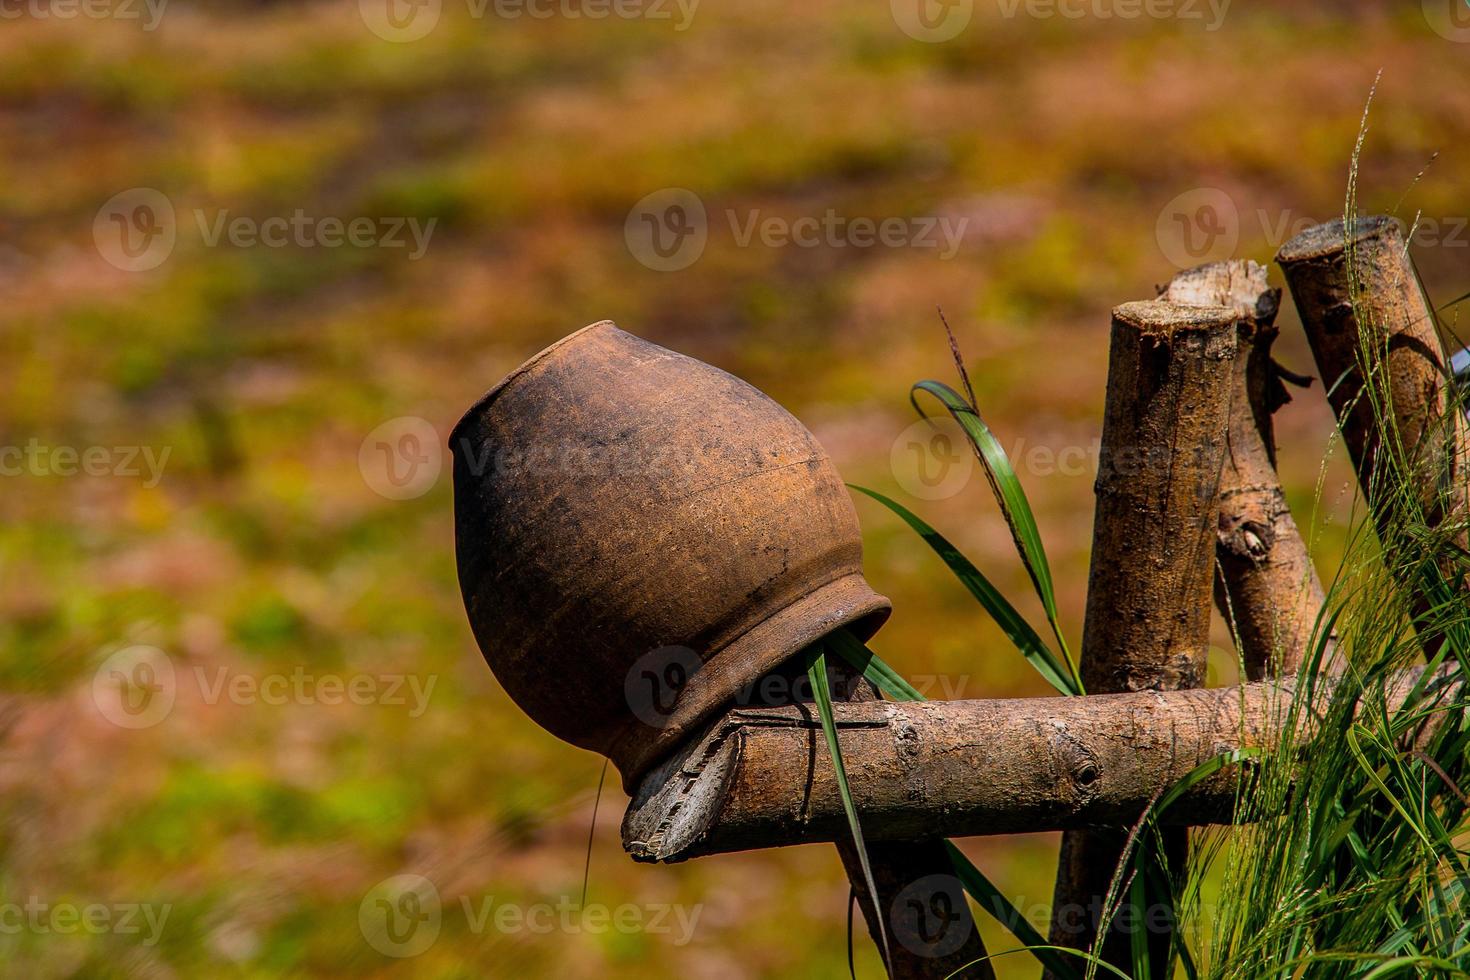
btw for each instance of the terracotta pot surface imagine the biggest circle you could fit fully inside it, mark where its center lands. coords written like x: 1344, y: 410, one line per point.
x: 640, y: 536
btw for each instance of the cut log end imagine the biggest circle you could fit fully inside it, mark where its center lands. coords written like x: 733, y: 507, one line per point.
x: 1157, y: 317
x: 1237, y: 285
x: 678, y: 801
x: 1327, y: 240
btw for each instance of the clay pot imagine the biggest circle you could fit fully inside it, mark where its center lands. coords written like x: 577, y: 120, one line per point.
x: 640, y: 537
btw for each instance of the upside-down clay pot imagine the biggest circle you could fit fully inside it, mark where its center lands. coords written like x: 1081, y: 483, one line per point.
x: 642, y: 536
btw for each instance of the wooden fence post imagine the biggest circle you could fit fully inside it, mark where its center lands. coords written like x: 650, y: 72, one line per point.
x: 1384, y: 311
x: 930, y: 931
x: 1266, y: 586
x: 1153, y: 555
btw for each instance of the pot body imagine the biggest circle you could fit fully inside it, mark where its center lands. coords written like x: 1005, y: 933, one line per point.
x: 640, y: 536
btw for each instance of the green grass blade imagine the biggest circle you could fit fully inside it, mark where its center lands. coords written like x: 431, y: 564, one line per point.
x: 1009, y: 494
x: 1454, y: 302
x: 817, y: 673
x: 851, y: 965
x: 1202, y: 772
x: 1034, y: 950
x: 990, y: 898
x: 1026, y: 639
x: 857, y: 654
x: 1353, y: 736
x: 1186, y: 961
x: 1414, y: 965
x: 884, y: 677
x: 1138, y: 895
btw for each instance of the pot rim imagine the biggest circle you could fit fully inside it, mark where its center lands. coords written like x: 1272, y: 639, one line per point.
x: 846, y: 600
x: 484, y: 401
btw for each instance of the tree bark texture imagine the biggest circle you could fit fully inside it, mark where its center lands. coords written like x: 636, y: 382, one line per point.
x: 759, y: 777
x: 927, y: 931
x: 1265, y: 584
x: 1153, y: 556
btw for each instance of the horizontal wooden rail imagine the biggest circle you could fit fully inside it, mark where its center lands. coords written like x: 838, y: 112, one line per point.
x: 760, y: 777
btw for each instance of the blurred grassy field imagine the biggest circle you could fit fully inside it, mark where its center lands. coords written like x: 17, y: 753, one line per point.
x: 263, y: 548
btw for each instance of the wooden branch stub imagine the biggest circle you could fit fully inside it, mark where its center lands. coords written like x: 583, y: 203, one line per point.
x: 1266, y: 586
x: 758, y: 779
x: 954, y: 768
x: 929, y: 929
x: 1386, y: 310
